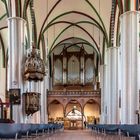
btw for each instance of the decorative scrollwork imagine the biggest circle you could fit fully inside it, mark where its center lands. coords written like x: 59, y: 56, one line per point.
x: 34, y: 66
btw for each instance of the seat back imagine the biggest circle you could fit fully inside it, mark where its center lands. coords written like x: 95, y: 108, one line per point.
x: 41, y: 127
x: 25, y: 128
x: 10, y: 130
x: 34, y: 128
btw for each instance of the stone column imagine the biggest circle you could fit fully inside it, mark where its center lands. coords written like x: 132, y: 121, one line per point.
x: 43, y: 115
x: 112, y: 103
x: 119, y: 86
x: 103, y: 74
x: 15, y: 64
x: 46, y: 103
x: 130, y: 85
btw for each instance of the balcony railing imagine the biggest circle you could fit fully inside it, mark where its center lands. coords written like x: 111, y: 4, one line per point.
x: 74, y: 93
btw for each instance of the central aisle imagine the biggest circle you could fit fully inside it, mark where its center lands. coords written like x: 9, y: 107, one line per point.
x: 72, y: 135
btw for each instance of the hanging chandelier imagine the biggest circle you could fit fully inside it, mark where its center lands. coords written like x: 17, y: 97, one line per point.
x: 34, y: 69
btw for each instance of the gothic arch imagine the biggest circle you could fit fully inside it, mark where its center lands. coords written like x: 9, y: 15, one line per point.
x: 52, y: 100
x: 91, y: 110
x: 52, y: 111
x: 78, y: 102
x: 97, y: 102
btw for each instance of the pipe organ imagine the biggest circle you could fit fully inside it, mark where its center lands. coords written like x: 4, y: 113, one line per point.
x: 73, y: 67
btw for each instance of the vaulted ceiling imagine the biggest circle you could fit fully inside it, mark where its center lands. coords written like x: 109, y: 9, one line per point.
x: 59, y: 23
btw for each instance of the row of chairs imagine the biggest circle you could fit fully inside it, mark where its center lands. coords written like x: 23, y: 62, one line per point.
x: 115, y: 131
x: 17, y: 131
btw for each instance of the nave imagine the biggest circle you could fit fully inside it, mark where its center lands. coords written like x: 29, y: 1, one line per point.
x: 71, y: 135
x: 83, y: 135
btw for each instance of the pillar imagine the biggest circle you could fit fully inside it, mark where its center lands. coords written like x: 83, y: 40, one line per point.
x: 103, y: 76
x: 43, y: 101
x: 119, y: 86
x: 112, y: 93
x: 130, y: 85
x: 46, y: 101
x: 15, y: 64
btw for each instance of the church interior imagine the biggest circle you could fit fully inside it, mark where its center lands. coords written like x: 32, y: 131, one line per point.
x: 70, y: 67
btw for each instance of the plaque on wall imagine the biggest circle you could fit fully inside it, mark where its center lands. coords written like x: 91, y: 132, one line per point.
x: 15, y: 97
x: 32, y: 102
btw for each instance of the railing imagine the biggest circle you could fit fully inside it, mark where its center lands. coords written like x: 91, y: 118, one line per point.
x: 75, y: 93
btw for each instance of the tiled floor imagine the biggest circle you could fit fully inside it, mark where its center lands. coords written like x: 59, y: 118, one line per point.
x: 72, y: 135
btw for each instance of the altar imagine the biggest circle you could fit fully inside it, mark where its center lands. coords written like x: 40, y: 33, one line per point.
x: 74, y: 120
x: 73, y: 124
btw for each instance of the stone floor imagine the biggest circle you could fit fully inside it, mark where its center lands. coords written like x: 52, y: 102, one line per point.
x: 72, y: 135
x: 81, y: 135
